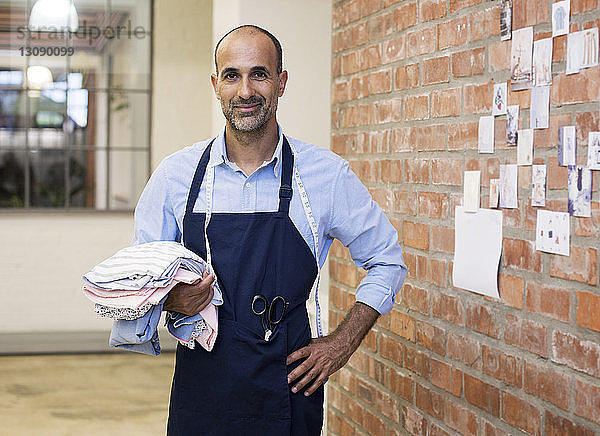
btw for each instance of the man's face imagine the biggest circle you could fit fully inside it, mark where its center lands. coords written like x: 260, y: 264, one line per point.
x: 247, y: 83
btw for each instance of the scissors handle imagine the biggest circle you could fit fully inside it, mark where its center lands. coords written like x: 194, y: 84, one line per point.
x: 263, y: 300
x: 273, y: 318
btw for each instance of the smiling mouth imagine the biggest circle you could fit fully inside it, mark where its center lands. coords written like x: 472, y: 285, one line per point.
x: 247, y: 107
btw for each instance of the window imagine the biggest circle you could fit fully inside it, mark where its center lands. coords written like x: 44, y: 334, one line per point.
x: 75, y: 95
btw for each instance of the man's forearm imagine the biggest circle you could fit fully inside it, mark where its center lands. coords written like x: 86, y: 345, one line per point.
x: 355, y: 326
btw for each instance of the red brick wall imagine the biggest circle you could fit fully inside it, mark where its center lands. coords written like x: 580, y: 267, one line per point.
x: 410, y: 80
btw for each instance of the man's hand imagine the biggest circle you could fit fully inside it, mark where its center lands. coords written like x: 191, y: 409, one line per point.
x: 324, y: 356
x: 190, y: 299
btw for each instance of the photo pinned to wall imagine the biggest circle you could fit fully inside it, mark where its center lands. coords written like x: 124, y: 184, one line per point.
x: 594, y: 151
x: 521, y: 59
x: 567, y: 146
x: 538, y: 182
x: 552, y: 233
x: 560, y: 17
x: 508, y: 186
x: 500, y: 98
x: 494, y: 193
x: 542, y: 62
x: 525, y: 147
x: 505, y: 20
x: 471, y: 191
x: 485, y: 143
x: 580, y: 190
x: 539, y: 114
x: 512, y: 125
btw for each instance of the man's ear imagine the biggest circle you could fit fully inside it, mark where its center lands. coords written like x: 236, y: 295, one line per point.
x: 213, y: 80
x: 283, y: 77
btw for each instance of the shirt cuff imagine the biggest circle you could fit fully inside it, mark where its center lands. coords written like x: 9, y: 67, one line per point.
x: 379, y: 297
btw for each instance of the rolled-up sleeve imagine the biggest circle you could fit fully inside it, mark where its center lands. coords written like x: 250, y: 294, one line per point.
x: 360, y: 224
x: 154, y: 216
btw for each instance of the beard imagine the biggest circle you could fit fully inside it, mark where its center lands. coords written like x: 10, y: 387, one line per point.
x: 249, y: 121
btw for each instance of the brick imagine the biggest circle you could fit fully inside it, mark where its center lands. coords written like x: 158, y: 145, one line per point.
x: 379, y: 141
x: 433, y: 204
x: 370, y: 57
x: 589, y: 226
x: 576, y: 88
x: 391, y: 170
x: 579, y: 6
x: 489, y: 429
x: 415, y: 298
x: 581, y: 265
x: 468, y: 62
x: 406, y: 76
x: 579, y: 354
x: 405, y: 15
x: 587, y: 401
x: 354, y: 411
x: 452, y: 33
x: 388, y: 406
x: 527, y: 13
x: 359, y: 35
x: 445, y: 103
x: 482, y: 395
x: 521, y: 414
x: 484, y: 23
x: 547, y: 384
x: 499, y: 55
x: 431, y: 138
x: 414, y: 422
x: 447, y: 307
x: 393, y: 50
x: 416, y: 107
x: 463, y: 136
x: 446, y: 172
x: 478, y: 98
x: 502, y: 366
x: 520, y: 98
x: 434, y: 430
x: 431, y: 270
x: 431, y: 337
x: 380, y: 81
x: 383, y: 197
x: 483, y: 319
x: 436, y: 70
x: 548, y: 301
x: 526, y: 334
x: 559, y: 426
x: 420, y: 42
x: 432, y: 9
x: 429, y: 401
x: 588, y: 310
x: 373, y: 424
x: 446, y: 377
x: 461, y: 419
x: 401, y: 384
x: 403, y: 325
x: 416, y: 235
x: 410, y: 260
x: 416, y: 362
x: 548, y: 138
x: 464, y: 349
x: 405, y: 202
x: 416, y: 171
x: 442, y: 239
x: 390, y: 110
x: 556, y: 177
x: 390, y: 349
x: 367, y: 7
x: 521, y: 254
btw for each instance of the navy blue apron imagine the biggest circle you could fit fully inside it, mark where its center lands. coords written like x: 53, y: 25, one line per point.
x: 240, y: 387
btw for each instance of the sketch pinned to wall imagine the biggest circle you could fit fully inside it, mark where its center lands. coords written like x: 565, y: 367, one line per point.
x: 500, y: 98
x: 560, y: 17
x: 567, y: 146
x: 538, y: 183
x: 521, y: 59
x: 542, y: 62
x: 590, y: 48
x: 525, y: 147
x: 539, y: 114
x: 508, y: 186
x: 512, y: 125
x: 505, y: 20
x: 580, y: 190
x: 471, y: 191
x: 594, y: 151
x: 574, y: 52
x: 494, y: 193
x: 552, y: 232
x: 485, y: 143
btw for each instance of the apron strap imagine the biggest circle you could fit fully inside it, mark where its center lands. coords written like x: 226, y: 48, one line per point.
x: 198, y: 177
x: 287, y: 163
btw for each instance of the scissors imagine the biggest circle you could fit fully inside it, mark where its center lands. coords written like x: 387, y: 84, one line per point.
x: 268, y: 312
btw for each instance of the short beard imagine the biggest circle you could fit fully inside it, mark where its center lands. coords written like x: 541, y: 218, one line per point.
x: 253, y: 121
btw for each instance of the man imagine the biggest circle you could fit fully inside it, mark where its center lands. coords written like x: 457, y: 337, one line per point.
x: 264, y: 210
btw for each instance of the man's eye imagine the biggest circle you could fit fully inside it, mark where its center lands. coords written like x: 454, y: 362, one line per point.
x: 229, y: 76
x: 259, y: 75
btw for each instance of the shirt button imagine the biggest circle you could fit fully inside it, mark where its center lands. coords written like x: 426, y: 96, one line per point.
x: 247, y: 185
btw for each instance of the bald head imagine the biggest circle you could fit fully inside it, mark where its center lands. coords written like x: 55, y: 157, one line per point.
x: 250, y: 29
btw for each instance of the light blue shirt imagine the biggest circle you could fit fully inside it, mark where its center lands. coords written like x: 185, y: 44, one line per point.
x: 342, y: 206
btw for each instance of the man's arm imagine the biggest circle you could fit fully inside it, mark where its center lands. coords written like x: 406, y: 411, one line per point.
x: 326, y: 355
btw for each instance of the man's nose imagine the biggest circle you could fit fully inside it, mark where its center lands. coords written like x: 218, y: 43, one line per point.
x: 245, y: 90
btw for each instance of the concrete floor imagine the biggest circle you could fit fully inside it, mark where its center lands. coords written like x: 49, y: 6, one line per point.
x: 96, y: 394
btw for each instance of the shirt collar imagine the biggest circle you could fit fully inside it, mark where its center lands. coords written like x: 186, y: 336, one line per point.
x: 218, y: 153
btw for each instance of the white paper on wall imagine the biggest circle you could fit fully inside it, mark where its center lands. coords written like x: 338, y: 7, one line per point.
x: 552, y: 232
x: 594, y: 151
x: 521, y: 59
x: 485, y: 143
x: 471, y: 191
x: 508, y: 186
x: 505, y: 20
x: 542, y: 62
x: 580, y: 190
x: 512, y: 124
x: 477, y: 248
x: 500, y: 98
x: 540, y: 107
x: 525, y: 147
x: 589, y: 56
x: 494, y: 193
x: 574, y: 52
x: 538, y: 185
x: 567, y: 146
x: 560, y: 17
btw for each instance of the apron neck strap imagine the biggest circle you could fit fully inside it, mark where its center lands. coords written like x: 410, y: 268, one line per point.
x: 287, y: 163
x: 198, y: 177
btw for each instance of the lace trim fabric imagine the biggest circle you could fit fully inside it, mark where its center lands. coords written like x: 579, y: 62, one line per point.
x: 125, y: 313
x: 198, y: 329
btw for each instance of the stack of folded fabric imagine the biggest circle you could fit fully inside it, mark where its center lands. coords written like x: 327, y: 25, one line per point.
x: 131, y: 287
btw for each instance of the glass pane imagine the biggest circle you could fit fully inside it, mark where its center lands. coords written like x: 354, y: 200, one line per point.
x: 47, y: 178
x: 87, y: 112
x: 12, y: 178
x: 12, y: 115
x: 129, y: 120
x: 133, y: 16
x: 129, y: 173
x: 130, y: 60
x: 87, y: 167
